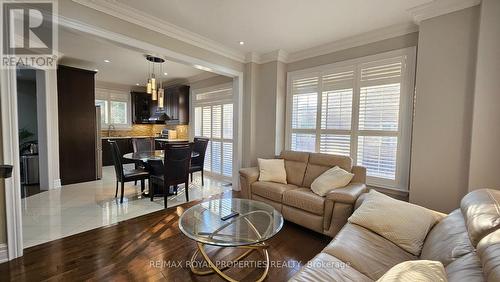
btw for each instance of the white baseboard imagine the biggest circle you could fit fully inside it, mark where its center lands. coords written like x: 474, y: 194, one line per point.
x: 4, y: 254
x: 57, y: 183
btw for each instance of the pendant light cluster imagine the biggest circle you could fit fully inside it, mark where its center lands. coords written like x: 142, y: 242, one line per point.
x: 154, y: 87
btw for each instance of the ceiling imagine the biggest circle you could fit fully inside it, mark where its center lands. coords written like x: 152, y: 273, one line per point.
x: 266, y: 26
x: 127, y: 66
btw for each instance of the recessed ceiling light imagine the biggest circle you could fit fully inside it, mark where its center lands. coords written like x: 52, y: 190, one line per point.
x: 96, y: 70
x: 107, y: 61
x: 242, y: 43
x: 137, y: 84
x: 165, y: 73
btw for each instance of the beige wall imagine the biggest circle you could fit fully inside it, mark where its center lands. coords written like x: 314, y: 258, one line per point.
x: 387, y: 45
x: 443, y: 109
x: 485, y: 141
x: 212, y: 81
x: 249, y: 112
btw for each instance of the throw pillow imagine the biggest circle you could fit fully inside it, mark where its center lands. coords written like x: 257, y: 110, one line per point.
x: 402, y: 223
x: 331, y: 179
x: 272, y: 170
x: 415, y: 270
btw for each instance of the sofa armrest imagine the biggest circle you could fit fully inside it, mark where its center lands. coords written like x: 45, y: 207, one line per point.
x: 248, y: 176
x: 359, y: 174
x: 348, y: 194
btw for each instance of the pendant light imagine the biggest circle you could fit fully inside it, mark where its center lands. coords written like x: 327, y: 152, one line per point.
x: 148, y: 86
x: 154, y: 87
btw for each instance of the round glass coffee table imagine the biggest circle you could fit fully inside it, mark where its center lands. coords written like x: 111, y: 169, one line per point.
x: 254, y: 223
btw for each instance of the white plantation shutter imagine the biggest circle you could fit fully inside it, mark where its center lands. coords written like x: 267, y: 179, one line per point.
x: 360, y: 109
x: 227, y: 126
x: 207, y: 122
x: 214, y: 120
x: 304, y: 113
x: 335, y: 144
x: 217, y: 121
x: 197, y: 121
x: 379, y: 105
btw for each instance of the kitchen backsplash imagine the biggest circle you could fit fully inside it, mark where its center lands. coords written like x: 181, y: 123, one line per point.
x: 149, y: 130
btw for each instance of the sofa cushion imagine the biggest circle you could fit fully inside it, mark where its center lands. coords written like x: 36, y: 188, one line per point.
x: 271, y: 190
x: 366, y: 251
x: 295, y: 165
x: 415, y: 270
x: 402, y: 223
x: 467, y: 268
x: 488, y: 250
x: 333, y: 178
x: 325, y: 268
x: 304, y: 199
x: 448, y: 240
x: 272, y: 170
x: 319, y: 163
x: 481, y: 210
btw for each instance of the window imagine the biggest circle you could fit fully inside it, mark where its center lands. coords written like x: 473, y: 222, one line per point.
x: 115, y: 107
x: 213, y: 118
x: 359, y: 108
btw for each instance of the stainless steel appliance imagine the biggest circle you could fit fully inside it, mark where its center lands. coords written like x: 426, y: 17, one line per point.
x: 98, y: 143
x: 29, y: 170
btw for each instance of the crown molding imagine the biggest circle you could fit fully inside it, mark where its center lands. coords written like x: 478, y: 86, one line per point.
x: 354, y: 41
x: 132, y: 15
x: 439, y: 7
x: 276, y: 55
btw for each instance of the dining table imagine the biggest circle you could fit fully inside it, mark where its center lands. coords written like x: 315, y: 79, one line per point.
x: 145, y: 157
x: 155, y: 155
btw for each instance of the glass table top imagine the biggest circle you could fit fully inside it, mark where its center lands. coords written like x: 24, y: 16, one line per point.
x: 151, y: 155
x: 255, y: 222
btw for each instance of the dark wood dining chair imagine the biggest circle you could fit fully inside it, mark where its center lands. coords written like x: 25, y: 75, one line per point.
x: 142, y: 145
x: 175, y: 171
x: 197, y: 163
x: 122, y: 175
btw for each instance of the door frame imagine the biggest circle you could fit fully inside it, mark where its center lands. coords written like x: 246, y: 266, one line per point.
x: 10, y: 138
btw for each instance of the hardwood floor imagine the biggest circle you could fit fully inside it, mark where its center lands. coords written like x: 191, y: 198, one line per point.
x: 151, y: 247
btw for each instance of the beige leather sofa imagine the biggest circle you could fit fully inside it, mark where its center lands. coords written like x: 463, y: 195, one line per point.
x: 467, y: 242
x: 297, y: 202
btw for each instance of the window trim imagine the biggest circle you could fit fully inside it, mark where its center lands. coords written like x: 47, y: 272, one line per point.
x: 104, y: 94
x: 405, y: 115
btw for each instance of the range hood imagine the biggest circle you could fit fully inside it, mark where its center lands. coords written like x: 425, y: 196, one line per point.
x: 159, y: 117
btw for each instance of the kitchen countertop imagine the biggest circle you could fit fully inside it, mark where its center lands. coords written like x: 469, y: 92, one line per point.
x: 156, y: 138
x: 125, y: 137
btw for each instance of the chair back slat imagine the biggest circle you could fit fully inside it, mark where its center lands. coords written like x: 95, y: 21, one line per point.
x: 117, y: 160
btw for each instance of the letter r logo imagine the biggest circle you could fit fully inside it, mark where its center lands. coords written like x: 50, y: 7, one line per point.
x: 27, y: 28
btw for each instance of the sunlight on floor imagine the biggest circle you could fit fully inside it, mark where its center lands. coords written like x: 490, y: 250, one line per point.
x: 80, y: 207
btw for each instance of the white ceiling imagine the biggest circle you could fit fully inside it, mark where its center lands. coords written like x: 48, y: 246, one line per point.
x: 127, y: 67
x: 269, y: 25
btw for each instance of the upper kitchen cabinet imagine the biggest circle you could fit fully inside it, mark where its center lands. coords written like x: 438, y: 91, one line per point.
x: 77, y: 124
x: 174, y: 112
x: 177, y: 104
x: 141, y: 107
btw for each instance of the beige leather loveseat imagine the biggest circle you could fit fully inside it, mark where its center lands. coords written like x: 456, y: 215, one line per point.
x: 467, y: 242
x: 297, y: 202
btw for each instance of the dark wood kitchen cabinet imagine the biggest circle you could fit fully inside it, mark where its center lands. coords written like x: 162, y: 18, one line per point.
x: 141, y: 107
x: 77, y: 124
x: 176, y: 106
